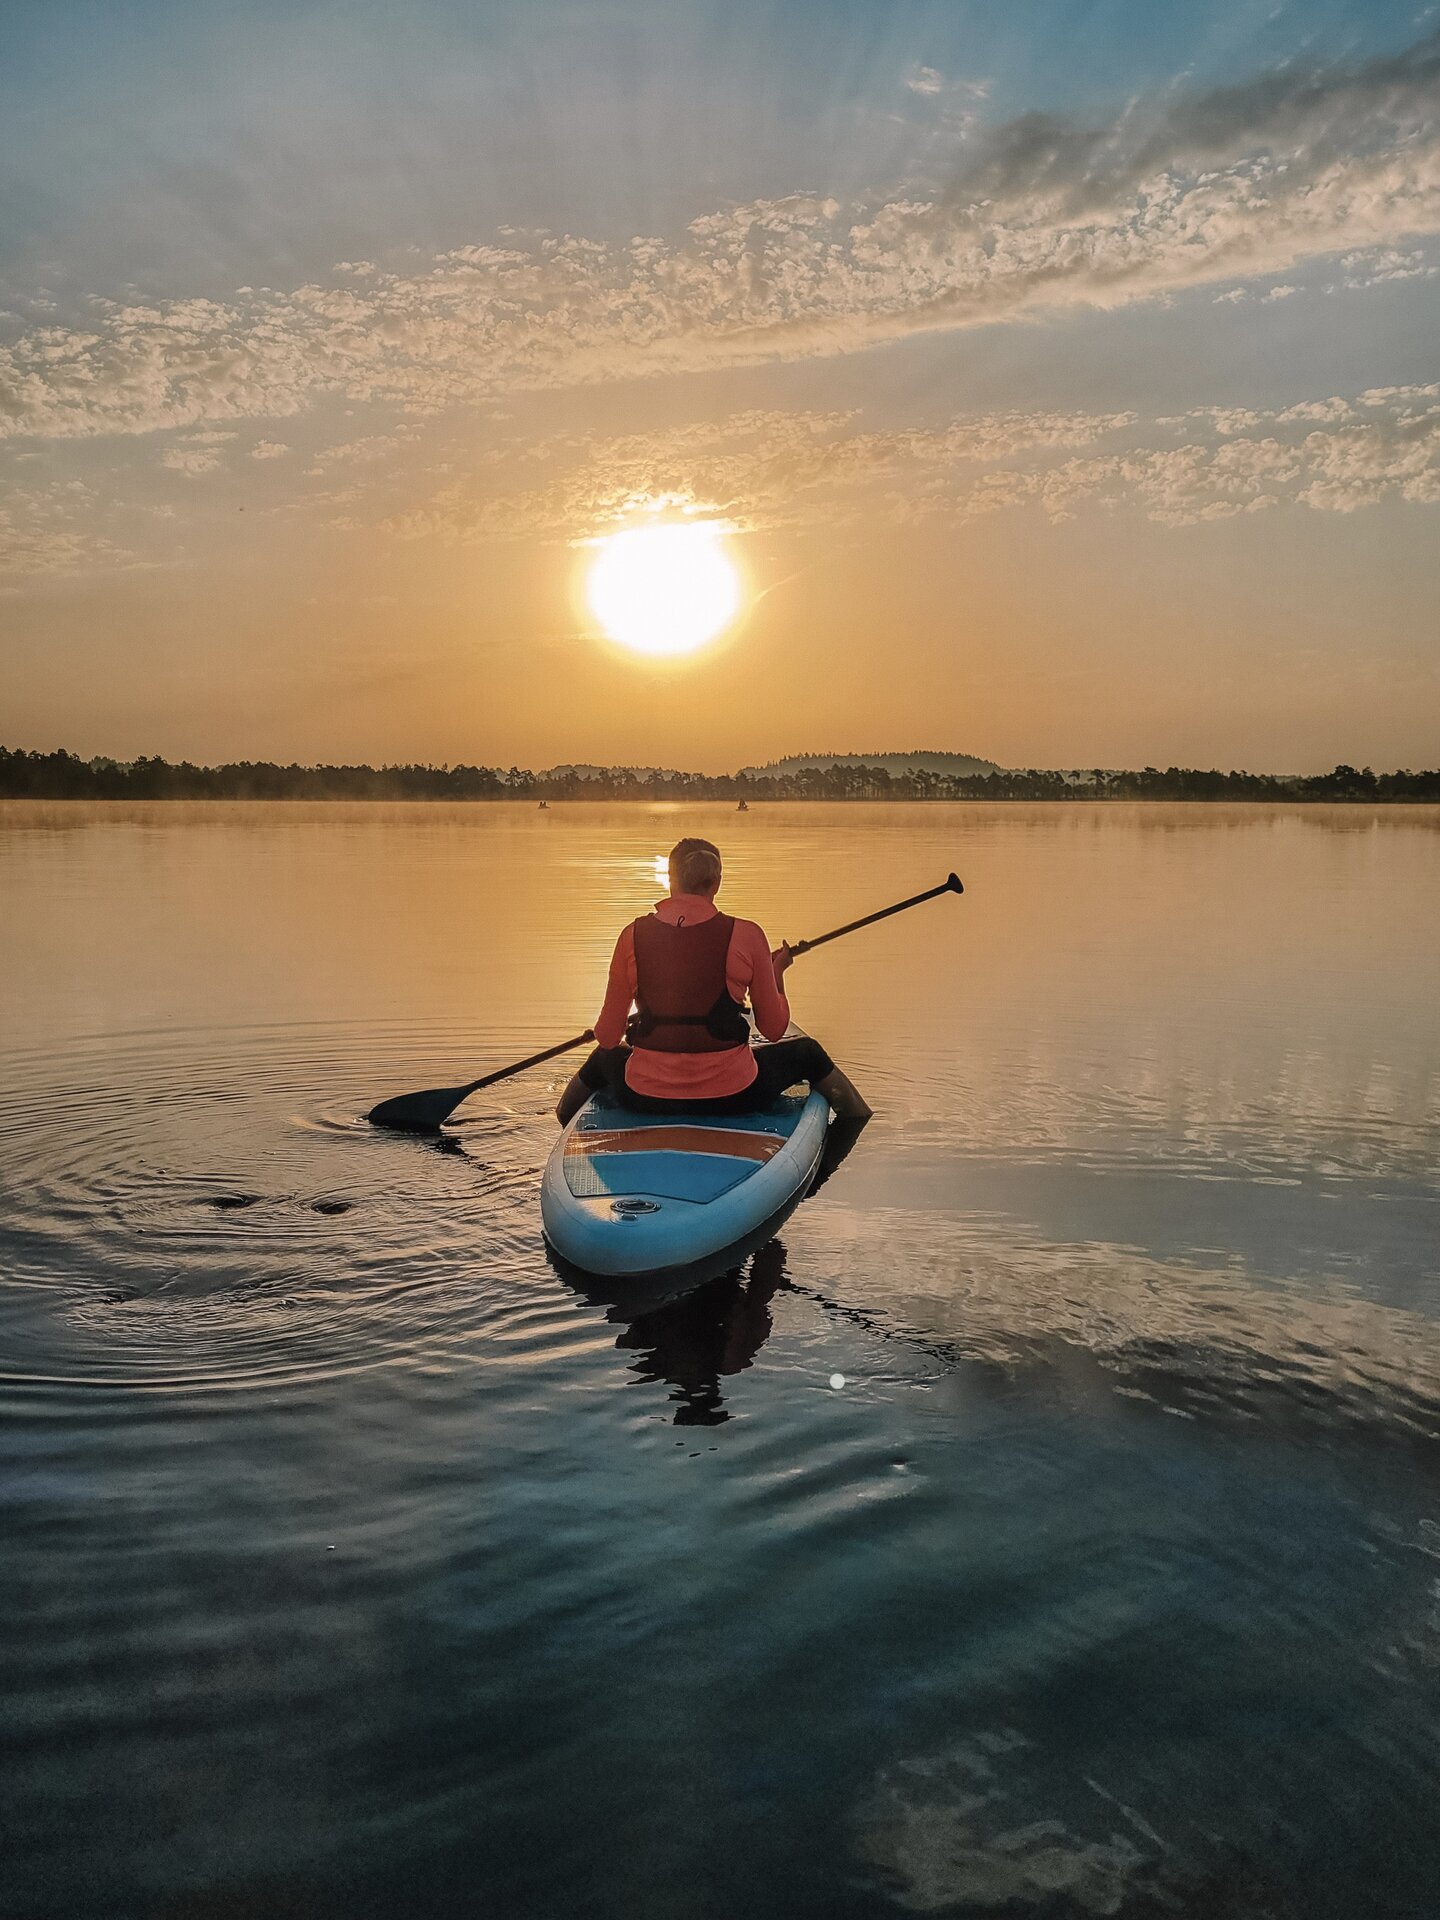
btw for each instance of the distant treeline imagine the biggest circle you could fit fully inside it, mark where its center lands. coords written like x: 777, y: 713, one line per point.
x: 64, y: 776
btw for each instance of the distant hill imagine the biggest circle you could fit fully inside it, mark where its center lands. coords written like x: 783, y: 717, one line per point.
x: 589, y: 770
x: 951, y: 763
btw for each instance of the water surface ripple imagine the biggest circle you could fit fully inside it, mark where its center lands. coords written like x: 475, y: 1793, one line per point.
x: 358, y: 1559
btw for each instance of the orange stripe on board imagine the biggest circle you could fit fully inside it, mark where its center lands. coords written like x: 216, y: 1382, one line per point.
x: 708, y: 1140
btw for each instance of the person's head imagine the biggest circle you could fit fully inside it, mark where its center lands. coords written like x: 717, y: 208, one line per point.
x: 695, y: 867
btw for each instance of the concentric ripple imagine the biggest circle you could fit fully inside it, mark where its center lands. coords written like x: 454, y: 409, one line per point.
x: 179, y: 1222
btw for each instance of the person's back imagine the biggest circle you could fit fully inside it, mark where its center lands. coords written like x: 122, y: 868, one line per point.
x: 688, y: 970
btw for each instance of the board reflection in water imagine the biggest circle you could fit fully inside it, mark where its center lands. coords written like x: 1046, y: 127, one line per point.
x: 698, y: 1332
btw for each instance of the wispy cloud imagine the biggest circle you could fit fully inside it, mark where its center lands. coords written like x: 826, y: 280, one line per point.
x: 1374, y: 267
x: 1174, y: 194
x: 926, y: 81
x: 1329, y: 455
x: 191, y: 460
x: 930, y: 83
x: 754, y: 469
x: 369, y: 450
x: 763, y: 470
x: 767, y: 469
x: 1338, y: 471
x: 47, y: 530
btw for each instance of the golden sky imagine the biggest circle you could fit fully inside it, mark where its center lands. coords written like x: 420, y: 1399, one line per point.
x: 1067, y: 385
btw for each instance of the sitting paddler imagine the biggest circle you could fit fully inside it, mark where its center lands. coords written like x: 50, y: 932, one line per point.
x: 688, y: 968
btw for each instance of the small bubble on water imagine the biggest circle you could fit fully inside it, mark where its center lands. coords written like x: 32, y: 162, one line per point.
x: 837, y: 1380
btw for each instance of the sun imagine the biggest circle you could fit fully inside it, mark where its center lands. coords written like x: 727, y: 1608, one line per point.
x: 664, y: 589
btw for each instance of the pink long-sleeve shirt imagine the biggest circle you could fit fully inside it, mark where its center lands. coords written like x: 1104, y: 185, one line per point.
x: 695, y: 1076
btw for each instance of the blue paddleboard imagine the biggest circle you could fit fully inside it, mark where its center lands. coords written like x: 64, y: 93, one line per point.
x: 632, y: 1193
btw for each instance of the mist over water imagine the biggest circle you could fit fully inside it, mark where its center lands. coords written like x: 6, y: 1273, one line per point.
x: 356, y: 1560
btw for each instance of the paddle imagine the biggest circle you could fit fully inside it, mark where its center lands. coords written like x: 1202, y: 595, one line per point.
x: 425, y: 1112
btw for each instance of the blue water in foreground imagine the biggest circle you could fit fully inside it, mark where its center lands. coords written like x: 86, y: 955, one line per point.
x: 356, y: 1562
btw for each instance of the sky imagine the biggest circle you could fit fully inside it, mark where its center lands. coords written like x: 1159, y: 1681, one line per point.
x: 1065, y: 378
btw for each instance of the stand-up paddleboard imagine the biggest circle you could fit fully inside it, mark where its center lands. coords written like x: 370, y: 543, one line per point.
x: 633, y: 1193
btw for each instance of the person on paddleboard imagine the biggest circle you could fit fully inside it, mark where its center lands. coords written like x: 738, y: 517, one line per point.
x: 688, y: 969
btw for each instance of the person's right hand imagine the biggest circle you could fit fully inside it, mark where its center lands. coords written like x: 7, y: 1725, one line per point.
x: 782, y: 959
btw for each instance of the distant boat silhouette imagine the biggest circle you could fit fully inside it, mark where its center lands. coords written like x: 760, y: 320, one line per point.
x: 744, y: 807
x: 544, y: 806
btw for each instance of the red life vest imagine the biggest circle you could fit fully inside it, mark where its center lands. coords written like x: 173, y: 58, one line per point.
x: 683, y: 1003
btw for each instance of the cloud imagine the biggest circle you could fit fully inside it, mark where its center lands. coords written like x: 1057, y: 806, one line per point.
x: 191, y: 460
x: 268, y: 449
x: 1317, y: 118
x: 765, y: 470
x: 363, y: 452
x: 44, y: 531
x: 754, y: 469
x: 929, y: 82
x: 926, y: 81
x: 762, y: 470
x: 1339, y: 465
x: 1040, y: 214
x: 1381, y: 264
x: 757, y: 463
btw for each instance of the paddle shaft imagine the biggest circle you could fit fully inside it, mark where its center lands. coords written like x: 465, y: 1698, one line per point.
x: 950, y: 885
x: 534, y: 1060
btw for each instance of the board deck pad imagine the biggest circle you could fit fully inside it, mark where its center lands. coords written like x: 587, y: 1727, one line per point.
x: 614, y: 1151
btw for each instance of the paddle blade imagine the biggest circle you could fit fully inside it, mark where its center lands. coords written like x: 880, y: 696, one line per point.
x: 418, y: 1112
x: 955, y: 883
x: 427, y: 1112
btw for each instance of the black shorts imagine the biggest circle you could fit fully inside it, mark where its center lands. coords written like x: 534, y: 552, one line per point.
x: 783, y: 1065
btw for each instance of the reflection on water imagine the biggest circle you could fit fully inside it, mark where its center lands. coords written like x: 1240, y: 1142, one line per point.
x: 360, y: 1559
x: 687, y: 1339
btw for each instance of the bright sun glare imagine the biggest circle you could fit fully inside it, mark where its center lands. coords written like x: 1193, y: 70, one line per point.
x: 664, y: 589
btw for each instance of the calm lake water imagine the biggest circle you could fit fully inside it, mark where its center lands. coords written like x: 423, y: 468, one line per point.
x: 355, y: 1562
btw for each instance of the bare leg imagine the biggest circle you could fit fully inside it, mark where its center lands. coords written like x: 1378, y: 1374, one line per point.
x: 572, y: 1099
x: 846, y: 1100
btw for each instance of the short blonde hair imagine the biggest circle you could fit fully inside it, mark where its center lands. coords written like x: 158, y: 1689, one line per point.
x: 694, y: 866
